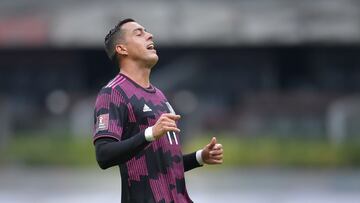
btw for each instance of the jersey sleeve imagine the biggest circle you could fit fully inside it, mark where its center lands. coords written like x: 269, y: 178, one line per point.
x: 190, y: 162
x: 110, y: 114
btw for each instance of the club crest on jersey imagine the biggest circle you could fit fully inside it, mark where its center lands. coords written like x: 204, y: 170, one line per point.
x: 146, y: 108
x: 102, y: 122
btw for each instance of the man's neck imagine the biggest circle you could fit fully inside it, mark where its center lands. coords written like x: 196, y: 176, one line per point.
x: 140, y: 75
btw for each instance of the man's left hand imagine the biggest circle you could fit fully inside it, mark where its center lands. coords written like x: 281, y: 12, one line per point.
x: 212, y: 153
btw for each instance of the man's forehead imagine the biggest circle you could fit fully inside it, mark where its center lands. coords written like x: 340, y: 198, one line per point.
x: 131, y: 26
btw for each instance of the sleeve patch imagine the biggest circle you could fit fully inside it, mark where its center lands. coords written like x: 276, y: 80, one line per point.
x: 102, y: 122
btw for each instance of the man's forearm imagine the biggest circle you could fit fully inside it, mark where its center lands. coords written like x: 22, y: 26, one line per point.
x: 110, y: 152
x: 190, y: 161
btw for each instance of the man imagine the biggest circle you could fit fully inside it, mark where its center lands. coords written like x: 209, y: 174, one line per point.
x: 136, y: 127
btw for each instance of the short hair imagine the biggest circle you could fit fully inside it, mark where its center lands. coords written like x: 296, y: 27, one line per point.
x: 112, y: 38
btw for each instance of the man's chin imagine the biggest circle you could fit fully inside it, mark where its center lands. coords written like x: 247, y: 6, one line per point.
x: 153, y: 60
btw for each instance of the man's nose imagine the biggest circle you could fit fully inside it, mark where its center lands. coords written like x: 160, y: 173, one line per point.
x: 150, y: 36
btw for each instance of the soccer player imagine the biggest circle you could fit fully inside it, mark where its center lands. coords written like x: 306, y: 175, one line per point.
x: 136, y: 127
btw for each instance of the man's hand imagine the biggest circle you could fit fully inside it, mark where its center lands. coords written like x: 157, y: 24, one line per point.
x: 166, y: 123
x: 212, y: 153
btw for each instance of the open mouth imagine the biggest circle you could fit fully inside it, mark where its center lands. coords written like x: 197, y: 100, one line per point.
x: 151, y: 46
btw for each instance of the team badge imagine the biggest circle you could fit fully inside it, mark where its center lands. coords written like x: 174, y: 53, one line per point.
x: 102, y: 122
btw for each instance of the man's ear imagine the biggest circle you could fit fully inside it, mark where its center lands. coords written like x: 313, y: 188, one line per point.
x: 121, y: 50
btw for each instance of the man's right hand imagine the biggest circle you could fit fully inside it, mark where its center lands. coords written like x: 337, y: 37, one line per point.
x: 166, y: 123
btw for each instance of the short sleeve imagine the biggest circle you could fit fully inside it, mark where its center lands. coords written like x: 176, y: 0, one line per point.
x: 110, y: 114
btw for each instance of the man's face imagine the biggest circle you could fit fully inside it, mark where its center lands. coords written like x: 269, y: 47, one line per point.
x: 139, y: 44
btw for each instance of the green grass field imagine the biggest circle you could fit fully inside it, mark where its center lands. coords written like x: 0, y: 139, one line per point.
x: 284, y: 152
x: 60, y: 150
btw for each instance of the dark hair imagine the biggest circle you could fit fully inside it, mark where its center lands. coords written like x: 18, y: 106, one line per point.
x: 112, y: 38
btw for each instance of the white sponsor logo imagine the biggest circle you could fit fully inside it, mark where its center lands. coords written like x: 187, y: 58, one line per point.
x: 146, y: 108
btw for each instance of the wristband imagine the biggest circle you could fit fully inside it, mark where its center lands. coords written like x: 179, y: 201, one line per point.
x: 199, y: 157
x: 149, y: 134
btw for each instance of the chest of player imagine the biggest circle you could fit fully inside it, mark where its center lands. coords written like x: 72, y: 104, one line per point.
x: 146, y: 114
x: 147, y: 111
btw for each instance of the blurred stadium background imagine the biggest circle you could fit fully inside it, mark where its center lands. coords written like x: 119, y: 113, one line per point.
x: 276, y: 81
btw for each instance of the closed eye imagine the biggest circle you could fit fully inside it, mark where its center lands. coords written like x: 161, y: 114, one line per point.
x: 139, y: 31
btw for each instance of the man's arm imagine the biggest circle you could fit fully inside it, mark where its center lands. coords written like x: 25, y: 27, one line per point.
x: 190, y: 161
x: 212, y: 153
x: 110, y: 152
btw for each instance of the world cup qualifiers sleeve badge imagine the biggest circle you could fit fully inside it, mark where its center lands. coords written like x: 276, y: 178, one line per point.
x: 102, y: 122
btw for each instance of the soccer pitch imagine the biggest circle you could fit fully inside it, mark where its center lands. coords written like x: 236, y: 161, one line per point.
x: 59, y: 185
